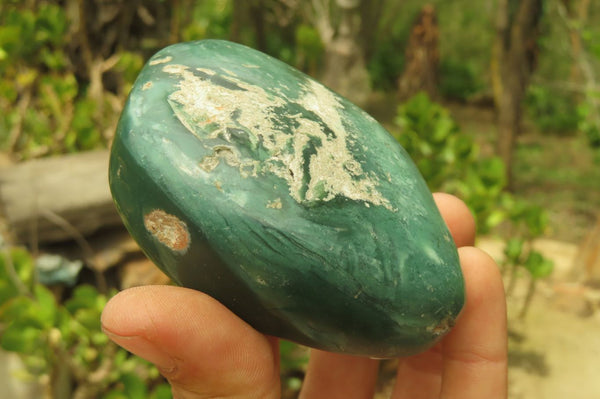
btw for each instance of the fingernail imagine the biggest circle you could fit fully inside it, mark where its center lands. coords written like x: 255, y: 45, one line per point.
x: 145, y: 349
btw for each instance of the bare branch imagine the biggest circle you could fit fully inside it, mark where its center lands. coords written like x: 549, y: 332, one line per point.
x: 17, y: 129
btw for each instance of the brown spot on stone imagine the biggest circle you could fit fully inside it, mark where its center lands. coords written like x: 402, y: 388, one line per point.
x: 168, y: 229
x: 443, y: 327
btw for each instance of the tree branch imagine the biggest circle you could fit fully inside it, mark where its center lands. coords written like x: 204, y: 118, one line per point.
x: 86, y: 248
x: 17, y: 129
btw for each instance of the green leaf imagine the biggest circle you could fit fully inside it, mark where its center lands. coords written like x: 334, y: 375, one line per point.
x: 22, y: 339
x: 23, y: 264
x: 496, y: 217
x: 84, y: 297
x: 15, y: 263
x: 89, y: 318
x: 36, y: 365
x: 130, y: 64
x: 134, y: 386
x: 309, y: 42
x: 57, y: 89
x: 538, y: 266
x: 51, y: 24
x: 15, y: 308
x: 513, y: 250
x: 536, y: 220
x: 54, y: 59
x: 492, y: 172
x: 99, y: 339
x: 46, y: 305
x: 63, y: 323
x: 83, y: 128
x: 162, y: 391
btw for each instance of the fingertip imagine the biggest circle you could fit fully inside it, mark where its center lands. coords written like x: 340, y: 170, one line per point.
x: 196, y: 342
x: 482, y: 276
x: 458, y: 218
x: 116, y: 316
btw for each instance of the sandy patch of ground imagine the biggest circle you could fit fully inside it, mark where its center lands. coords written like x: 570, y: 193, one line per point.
x: 554, y: 353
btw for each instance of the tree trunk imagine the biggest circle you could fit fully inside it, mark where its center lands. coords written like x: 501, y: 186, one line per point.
x: 251, y: 14
x: 513, y: 61
x: 258, y: 22
x: 237, y: 20
x: 375, y: 23
x: 345, y: 68
x: 574, y: 14
x: 577, y: 13
x: 422, y: 57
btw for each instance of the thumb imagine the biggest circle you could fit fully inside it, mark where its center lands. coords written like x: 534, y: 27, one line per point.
x: 203, y: 349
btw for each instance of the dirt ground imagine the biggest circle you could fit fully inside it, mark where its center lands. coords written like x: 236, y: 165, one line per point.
x: 554, y: 352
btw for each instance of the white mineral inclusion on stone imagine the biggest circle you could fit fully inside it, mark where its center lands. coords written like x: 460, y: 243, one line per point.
x: 163, y: 60
x: 275, y: 204
x: 207, y: 110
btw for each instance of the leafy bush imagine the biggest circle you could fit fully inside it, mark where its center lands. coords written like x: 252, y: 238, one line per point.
x: 552, y: 110
x: 309, y: 48
x: 588, y: 124
x: 64, y: 341
x: 386, y: 64
x: 450, y: 161
x: 206, y: 19
x: 458, y: 80
x: 45, y: 109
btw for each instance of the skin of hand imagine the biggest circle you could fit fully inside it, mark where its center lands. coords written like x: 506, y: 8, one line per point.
x: 205, y: 351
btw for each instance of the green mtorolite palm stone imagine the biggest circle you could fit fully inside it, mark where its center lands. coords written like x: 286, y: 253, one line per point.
x: 243, y: 178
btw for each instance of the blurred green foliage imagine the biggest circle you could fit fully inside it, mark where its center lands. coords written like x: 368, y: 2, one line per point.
x: 386, y: 63
x: 64, y: 342
x: 459, y: 80
x: 206, y: 19
x: 450, y: 160
x: 552, y: 110
x: 309, y: 48
x: 44, y: 108
x: 588, y: 122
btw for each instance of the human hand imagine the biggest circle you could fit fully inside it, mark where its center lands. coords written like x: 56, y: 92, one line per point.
x: 205, y: 351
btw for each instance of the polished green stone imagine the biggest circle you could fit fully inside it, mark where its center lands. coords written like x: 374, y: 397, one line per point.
x: 244, y: 178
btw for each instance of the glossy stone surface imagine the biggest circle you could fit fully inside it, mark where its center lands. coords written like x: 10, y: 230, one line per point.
x: 242, y: 177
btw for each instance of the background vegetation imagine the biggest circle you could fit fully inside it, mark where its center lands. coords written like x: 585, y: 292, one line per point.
x: 66, y: 68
